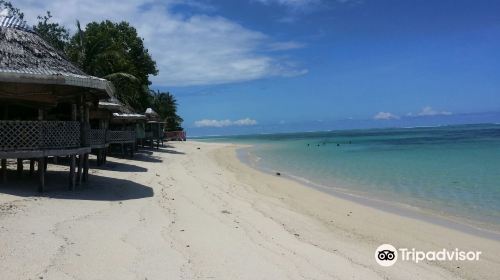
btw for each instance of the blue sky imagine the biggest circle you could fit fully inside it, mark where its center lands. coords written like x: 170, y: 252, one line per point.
x: 254, y: 66
x: 437, y: 61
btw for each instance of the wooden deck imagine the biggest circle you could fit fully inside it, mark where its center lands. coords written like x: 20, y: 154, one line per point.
x: 125, y: 139
x: 37, y: 141
x: 121, y: 136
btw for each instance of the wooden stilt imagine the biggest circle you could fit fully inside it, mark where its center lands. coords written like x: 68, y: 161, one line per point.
x: 32, y: 167
x: 4, y: 170
x: 19, y: 167
x: 41, y: 174
x: 86, y: 168
x: 45, y: 163
x: 72, y: 181
x: 100, y: 157
x: 80, y: 166
x: 123, y: 149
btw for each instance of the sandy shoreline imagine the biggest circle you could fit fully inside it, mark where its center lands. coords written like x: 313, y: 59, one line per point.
x: 188, y: 213
x: 451, y: 222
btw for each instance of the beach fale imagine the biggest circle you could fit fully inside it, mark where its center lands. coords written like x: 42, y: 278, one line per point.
x: 45, y: 104
x: 125, y: 127
x: 119, y: 126
x: 154, y: 129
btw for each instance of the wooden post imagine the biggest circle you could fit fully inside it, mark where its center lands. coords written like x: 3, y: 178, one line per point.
x: 80, y: 166
x: 86, y: 125
x: 100, y: 157
x: 82, y: 124
x: 87, y: 114
x: 72, y: 181
x: 41, y: 174
x: 32, y: 167
x: 86, y: 168
x: 40, y: 114
x: 73, y: 112
x: 19, y: 167
x: 4, y: 170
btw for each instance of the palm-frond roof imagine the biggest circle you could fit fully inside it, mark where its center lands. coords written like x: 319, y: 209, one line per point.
x: 26, y: 58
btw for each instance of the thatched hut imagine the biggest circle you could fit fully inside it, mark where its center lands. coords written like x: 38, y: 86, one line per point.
x: 100, y: 117
x: 154, y: 128
x: 45, y: 102
x: 123, y: 131
x: 120, y: 126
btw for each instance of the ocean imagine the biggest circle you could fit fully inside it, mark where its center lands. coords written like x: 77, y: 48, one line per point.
x: 450, y: 171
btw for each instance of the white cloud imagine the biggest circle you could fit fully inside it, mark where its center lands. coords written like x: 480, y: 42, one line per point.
x: 428, y: 111
x: 224, y: 123
x: 385, y: 116
x: 245, y: 122
x: 197, y: 49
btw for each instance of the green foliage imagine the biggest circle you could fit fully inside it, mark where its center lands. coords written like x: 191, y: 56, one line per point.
x: 165, y: 104
x: 13, y: 10
x: 116, y: 52
x: 129, y: 90
x: 113, y: 51
x: 55, y: 34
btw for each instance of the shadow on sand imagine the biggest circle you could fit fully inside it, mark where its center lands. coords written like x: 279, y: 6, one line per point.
x: 160, y: 150
x: 117, y: 166
x: 146, y: 158
x: 167, y: 151
x: 141, y: 155
x: 110, y: 165
x: 98, y: 188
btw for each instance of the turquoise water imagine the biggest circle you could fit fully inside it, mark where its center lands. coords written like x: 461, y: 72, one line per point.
x: 453, y: 171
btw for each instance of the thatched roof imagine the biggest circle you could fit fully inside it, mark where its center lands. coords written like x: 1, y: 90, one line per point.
x: 128, y: 116
x: 112, y: 106
x: 120, y: 111
x: 152, y: 116
x: 27, y: 59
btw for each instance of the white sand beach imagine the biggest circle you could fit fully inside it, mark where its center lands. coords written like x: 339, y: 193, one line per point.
x: 187, y: 213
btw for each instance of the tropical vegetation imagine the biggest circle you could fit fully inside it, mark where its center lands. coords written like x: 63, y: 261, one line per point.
x: 113, y: 51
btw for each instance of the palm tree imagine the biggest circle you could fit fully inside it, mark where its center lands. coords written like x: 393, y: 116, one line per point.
x: 165, y: 104
x: 98, y: 55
